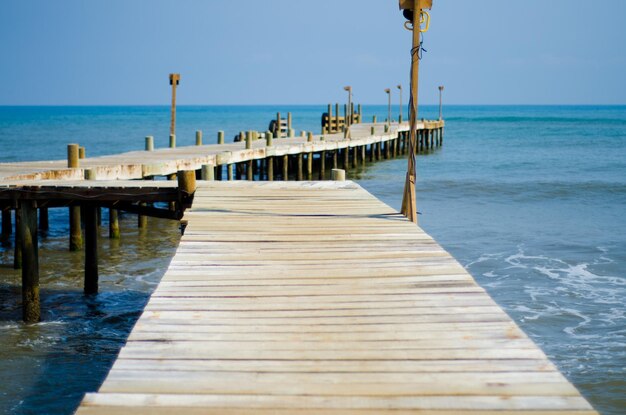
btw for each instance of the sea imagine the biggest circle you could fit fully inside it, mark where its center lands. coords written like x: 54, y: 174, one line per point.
x: 531, y: 200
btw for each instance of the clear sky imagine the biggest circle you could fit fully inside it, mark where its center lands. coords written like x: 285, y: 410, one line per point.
x: 61, y: 52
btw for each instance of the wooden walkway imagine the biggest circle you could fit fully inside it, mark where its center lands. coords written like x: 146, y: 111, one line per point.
x: 166, y: 161
x: 317, y: 298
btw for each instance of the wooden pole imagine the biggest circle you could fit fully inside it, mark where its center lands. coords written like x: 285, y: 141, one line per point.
x: 76, y: 237
x: 114, y: 224
x: 72, y: 156
x: 285, y: 167
x: 278, y: 130
x: 250, y: 164
x: 149, y: 143
x: 44, y: 223
x: 81, y: 153
x: 17, y: 244
x: 31, y: 311
x: 172, y: 140
x: 322, y: 165
x: 198, y: 138
x: 7, y: 226
x: 220, y: 137
x: 91, y: 248
x: 208, y: 172
x: 289, y: 120
x: 409, y: 208
x: 336, y: 129
x: 338, y: 175
x: 174, y: 81
x: 299, y: 172
x: 229, y: 171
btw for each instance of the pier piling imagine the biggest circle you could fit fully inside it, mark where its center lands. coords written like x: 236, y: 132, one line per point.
x: 31, y: 310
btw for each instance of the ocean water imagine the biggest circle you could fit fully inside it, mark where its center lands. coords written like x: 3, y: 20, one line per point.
x: 531, y: 200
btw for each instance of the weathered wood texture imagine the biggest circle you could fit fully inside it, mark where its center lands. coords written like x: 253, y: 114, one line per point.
x: 317, y: 298
x: 167, y: 161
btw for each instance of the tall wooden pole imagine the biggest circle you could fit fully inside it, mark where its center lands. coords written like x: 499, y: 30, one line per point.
x: 174, y: 80
x: 409, y: 206
x: 400, y: 116
x: 440, y: 103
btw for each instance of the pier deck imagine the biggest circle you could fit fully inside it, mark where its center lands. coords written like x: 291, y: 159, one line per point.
x: 317, y: 298
x: 166, y: 161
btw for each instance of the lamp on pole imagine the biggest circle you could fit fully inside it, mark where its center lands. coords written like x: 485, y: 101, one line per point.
x: 400, y: 117
x: 416, y: 16
x: 349, y: 117
x: 174, y: 81
x: 440, y: 101
x: 388, y: 91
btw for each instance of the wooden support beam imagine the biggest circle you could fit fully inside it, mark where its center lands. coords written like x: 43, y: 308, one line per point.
x: 299, y: 171
x: 285, y: 167
x: 323, y: 165
x: 229, y: 171
x: 142, y: 220
x: 76, y: 237
x: 114, y: 224
x: 91, y: 248
x: 7, y: 226
x: 17, y: 244
x: 31, y: 311
x: 44, y: 223
x: 207, y: 172
x: 198, y: 138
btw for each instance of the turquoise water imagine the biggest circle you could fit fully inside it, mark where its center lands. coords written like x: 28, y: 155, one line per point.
x: 530, y: 199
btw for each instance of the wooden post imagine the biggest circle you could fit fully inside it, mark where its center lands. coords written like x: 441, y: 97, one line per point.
x: 72, y: 156
x: 17, y: 245
x: 336, y: 129
x: 142, y: 220
x: 360, y: 112
x: 172, y: 140
x: 250, y: 164
x: 378, y: 150
x: 285, y: 167
x: 363, y: 154
x: 289, y: 121
x: 7, y: 226
x: 31, y: 311
x: 374, y: 119
x: 198, y: 138
x: 76, y: 237
x: 372, y: 151
x: 323, y: 165
x: 329, y: 124
x: 186, y: 185
x: 229, y: 171
x: 338, y: 175
x: 299, y: 172
x: 278, y: 126
x: 291, y: 132
x: 81, y: 153
x: 220, y: 137
x: 114, y: 224
x: 269, y: 139
x: 174, y: 81
x: 91, y: 248
x: 335, y: 156
x: 387, y: 145
x: 208, y: 172
x: 44, y: 223
x: 149, y: 143
x: 270, y: 169
x: 355, y: 157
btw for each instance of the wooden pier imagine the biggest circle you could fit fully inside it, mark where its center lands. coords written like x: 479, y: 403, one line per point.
x: 287, y: 296
x: 317, y: 298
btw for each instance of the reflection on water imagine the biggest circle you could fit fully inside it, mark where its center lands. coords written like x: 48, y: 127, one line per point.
x: 47, y: 367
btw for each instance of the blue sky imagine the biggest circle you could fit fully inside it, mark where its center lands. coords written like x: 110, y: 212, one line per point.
x: 109, y: 52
